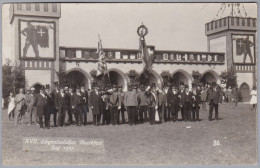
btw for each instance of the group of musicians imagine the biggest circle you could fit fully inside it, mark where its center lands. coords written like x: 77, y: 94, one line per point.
x: 109, y: 104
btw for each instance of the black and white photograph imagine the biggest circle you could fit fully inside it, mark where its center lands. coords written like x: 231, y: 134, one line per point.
x: 141, y: 84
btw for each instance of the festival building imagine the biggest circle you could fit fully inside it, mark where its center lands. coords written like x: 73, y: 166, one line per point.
x: 231, y: 46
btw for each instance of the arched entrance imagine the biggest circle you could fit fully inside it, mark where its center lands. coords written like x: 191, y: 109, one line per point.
x: 117, y: 77
x: 37, y: 87
x: 210, y: 76
x: 181, y: 77
x: 154, y: 77
x: 77, y: 77
x: 245, y: 92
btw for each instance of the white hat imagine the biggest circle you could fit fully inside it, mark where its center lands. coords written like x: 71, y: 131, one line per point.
x: 32, y: 88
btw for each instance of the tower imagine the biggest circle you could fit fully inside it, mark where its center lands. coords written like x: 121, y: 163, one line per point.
x: 35, y: 41
x: 236, y: 37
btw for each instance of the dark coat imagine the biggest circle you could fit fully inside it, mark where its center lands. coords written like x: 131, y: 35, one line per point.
x: 50, y: 104
x: 62, y: 101
x: 196, y: 99
x: 175, y: 99
x: 186, y: 98
x: 55, y: 97
x: 84, y: 97
x: 213, y: 95
x: 40, y: 103
x: 95, y: 101
x: 151, y: 99
x: 77, y: 99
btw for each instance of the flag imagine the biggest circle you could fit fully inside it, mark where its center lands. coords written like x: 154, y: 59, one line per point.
x: 147, y: 59
x: 102, y: 66
x: 239, y: 46
x: 42, y: 36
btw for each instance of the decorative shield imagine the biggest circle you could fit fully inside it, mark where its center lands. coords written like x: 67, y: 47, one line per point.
x: 142, y: 30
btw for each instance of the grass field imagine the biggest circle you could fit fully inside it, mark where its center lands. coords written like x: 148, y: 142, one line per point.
x: 167, y: 143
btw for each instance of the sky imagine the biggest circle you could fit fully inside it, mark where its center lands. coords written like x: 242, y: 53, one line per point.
x: 171, y: 26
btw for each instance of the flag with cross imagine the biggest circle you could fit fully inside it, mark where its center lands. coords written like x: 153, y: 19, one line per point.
x: 239, y: 46
x: 42, y: 36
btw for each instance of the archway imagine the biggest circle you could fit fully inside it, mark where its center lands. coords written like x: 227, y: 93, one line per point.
x: 245, y: 92
x: 37, y: 87
x: 181, y: 77
x: 119, y: 78
x: 154, y: 77
x: 210, y: 76
x: 78, y: 77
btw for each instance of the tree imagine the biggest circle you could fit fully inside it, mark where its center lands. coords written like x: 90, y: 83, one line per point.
x: 134, y: 76
x: 197, y: 78
x: 166, y: 76
x: 229, y: 78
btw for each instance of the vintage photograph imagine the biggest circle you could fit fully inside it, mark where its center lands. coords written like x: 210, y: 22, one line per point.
x: 129, y: 84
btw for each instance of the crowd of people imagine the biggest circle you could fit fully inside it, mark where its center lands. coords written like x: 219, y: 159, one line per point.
x: 109, y: 104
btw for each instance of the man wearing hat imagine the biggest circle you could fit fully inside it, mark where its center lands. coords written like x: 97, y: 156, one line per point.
x: 31, y: 109
x: 181, y: 91
x: 84, y: 95
x: 62, y: 107
x: 71, y: 110
x: 166, y: 115
x: 186, y: 104
x: 41, y: 102
x: 121, y: 94
x: 49, y: 106
x: 115, y: 102
x: 142, y: 104
x: 130, y: 102
x: 174, y: 103
x: 213, y: 99
x: 95, y: 104
x: 196, y: 101
x: 55, y: 93
x: 76, y: 105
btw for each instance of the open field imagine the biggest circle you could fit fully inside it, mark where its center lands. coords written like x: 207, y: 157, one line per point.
x: 167, y: 143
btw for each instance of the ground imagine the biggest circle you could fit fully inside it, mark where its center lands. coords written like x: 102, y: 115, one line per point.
x: 231, y: 140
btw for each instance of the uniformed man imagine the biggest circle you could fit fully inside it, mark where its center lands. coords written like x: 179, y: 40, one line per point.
x: 142, y: 104
x: 130, y: 102
x: 115, y: 102
x: 84, y: 94
x: 19, y: 101
x: 31, y: 109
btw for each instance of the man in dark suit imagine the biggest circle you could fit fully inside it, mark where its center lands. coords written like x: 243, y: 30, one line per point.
x: 84, y: 95
x: 40, y: 103
x: 71, y: 110
x: 214, y: 99
x: 186, y: 104
x: 122, y: 110
x: 181, y: 91
x: 196, y: 101
x: 55, y: 94
x: 77, y: 106
x: 95, y: 104
x: 115, y: 102
x: 166, y: 115
x: 49, y: 106
x: 174, y: 103
x: 62, y: 107
x: 142, y: 104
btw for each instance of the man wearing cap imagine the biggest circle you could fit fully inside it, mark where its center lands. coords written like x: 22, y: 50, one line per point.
x: 213, y: 99
x: 31, y: 109
x: 121, y: 94
x: 142, y: 104
x: 115, y: 102
x: 130, y: 102
x: 19, y: 101
x: 95, y: 104
x: 40, y: 103
x: 174, y: 103
x: 84, y: 95
x: 186, y: 104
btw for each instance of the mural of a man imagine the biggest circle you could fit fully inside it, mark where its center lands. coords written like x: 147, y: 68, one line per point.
x: 247, y: 44
x: 31, y: 39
